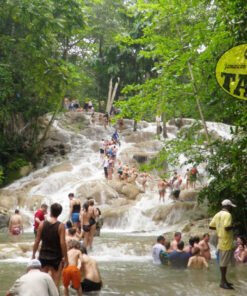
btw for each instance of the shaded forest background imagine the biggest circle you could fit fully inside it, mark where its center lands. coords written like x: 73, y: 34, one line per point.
x: 163, y: 51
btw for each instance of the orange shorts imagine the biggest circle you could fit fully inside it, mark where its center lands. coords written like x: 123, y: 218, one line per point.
x: 71, y: 274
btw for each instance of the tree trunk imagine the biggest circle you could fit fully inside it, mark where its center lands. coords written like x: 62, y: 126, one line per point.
x: 135, y: 126
x: 198, y: 103
x: 165, y: 135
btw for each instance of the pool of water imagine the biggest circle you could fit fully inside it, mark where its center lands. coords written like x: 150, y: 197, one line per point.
x: 126, y: 268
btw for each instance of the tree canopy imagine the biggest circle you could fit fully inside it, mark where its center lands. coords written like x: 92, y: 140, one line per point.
x: 163, y: 52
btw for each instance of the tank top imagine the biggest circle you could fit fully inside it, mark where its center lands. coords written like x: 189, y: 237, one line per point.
x: 76, y: 208
x: 50, y: 248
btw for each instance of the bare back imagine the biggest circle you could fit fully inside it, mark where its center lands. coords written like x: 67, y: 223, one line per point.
x: 90, y: 268
x: 74, y: 257
x: 16, y: 220
x: 197, y: 262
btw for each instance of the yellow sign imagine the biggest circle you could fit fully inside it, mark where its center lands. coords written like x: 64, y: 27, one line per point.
x: 231, y: 71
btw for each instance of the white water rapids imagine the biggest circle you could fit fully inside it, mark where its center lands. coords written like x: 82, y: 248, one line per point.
x: 123, y: 249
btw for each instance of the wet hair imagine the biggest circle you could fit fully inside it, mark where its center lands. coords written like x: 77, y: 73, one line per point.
x: 196, y: 251
x: 69, y: 224
x: 160, y: 238
x: 167, y: 245
x: 205, y: 234
x: 71, y: 194
x: 242, y: 239
x: 74, y: 244
x: 85, y: 206
x: 72, y: 230
x: 44, y: 206
x: 83, y: 250
x: 56, y: 209
x: 177, y: 233
x: 196, y: 239
x: 17, y: 211
x: 180, y: 245
x: 91, y: 202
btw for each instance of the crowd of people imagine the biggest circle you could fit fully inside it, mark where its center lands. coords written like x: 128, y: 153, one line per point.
x: 62, y: 249
x: 197, y: 253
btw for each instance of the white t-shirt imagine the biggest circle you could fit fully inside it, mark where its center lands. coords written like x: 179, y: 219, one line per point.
x: 34, y: 283
x: 156, y: 252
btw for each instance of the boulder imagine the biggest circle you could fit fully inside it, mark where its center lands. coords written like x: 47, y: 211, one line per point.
x: 189, y: 195
x: 141, y: 157
x: 173, y: 213
x: 100, y: 191
x: 26, y: 170
x: 7, y: 200
x: 129, y: 190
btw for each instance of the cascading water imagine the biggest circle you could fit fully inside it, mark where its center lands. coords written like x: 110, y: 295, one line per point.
x: 123, y: 250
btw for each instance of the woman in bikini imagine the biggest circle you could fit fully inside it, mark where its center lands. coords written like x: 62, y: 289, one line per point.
x: 85, y: 225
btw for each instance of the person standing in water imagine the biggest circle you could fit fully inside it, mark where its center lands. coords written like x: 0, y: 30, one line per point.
x: 92, y: 221
x: 16, y: 224
x: 204, y: 247
x: 39, y: 216
x: 85, y: 225
x: 75, y: 209
x: 162, y: 184
x: 197, y: 261
x: 53, y: 251
x: 222, y: 223
x: 34, y: 282
x: 92, y: 279
x: 71, y: 274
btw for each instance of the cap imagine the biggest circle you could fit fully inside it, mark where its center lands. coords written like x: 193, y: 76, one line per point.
x: 34, y: 263
x: 227, y: 202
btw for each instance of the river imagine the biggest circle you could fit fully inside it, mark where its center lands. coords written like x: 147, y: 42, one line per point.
x: 126, y: 268
x: 123, y: 251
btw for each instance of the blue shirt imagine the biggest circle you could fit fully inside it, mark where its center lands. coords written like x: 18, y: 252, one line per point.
x: 179, y: 259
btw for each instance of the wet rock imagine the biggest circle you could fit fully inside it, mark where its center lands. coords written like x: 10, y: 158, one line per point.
x: 173, y: 213
x: 140, y: 158
x: 189, y: 195
x: 62, y: 167
x: 26, y: 170
x: 4, y: 217
x: 129, y: 190
x: 7, y: 199
x: 137, y: 137
x: 100, y: 191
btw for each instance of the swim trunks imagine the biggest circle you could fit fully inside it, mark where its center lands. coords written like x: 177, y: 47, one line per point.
x: 86, y: 228
x: 75, y: 217
x: 53, y: 263
x: 162, y: 191
x: 88, y: 286
x: 15, y: 230
x: 71, y: 274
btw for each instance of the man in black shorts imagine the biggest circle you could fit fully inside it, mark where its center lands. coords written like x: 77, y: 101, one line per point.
x: 53, y: 251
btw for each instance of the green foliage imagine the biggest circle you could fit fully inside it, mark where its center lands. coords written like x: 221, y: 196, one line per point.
x: 227, y: 168
x: 1, y: 175
x: 13, y: 169
x: 189, y: 143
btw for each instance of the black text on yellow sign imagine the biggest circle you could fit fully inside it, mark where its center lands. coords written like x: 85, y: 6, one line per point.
x: 231, y: 71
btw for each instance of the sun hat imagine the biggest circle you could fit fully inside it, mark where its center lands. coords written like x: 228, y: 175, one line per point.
x: 34, y: 263
x: 227, y: 202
